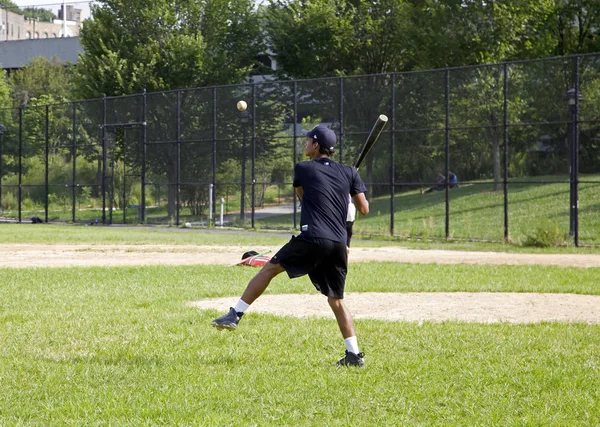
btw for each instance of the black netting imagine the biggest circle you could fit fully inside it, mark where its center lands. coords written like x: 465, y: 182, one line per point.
x: 189, y: 154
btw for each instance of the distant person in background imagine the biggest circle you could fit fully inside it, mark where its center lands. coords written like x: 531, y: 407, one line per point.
x: 452, y: 179
x: 441, y: 183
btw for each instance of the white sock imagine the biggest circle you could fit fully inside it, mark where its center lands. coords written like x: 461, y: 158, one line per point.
x: 352, y: 345
x: 241, y: 306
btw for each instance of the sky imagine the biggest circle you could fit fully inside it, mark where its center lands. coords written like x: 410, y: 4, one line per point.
x: 54, y: 5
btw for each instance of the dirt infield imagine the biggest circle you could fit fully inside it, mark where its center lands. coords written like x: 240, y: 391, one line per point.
x: 83, y: 255
x: 469, y: 307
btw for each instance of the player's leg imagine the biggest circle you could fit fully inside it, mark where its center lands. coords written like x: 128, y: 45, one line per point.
x: 260, y: 282
x: 330, y: 279
x: 255, y: 288
x: 297, y: 257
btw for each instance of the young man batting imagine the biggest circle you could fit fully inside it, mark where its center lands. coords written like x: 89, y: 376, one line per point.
x: 320, y: 249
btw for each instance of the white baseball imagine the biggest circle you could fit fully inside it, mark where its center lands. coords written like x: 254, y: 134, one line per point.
x: 241, y: 105
x: 188, y: 225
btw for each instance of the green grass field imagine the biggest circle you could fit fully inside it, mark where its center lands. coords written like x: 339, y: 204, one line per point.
x: 131, y: 235
x: 120, y: 346
x: 477, y: 212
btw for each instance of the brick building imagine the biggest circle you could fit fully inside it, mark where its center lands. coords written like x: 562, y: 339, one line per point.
x: 14, y: 26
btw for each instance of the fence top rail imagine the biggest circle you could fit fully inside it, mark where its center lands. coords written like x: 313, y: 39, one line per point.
x: 336, y: 78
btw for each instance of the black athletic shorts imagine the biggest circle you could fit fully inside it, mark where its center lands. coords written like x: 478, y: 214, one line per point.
x: 325, y: 262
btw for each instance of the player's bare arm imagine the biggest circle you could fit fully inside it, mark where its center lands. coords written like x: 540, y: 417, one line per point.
x: 361, y: 203
x: 299, y: 192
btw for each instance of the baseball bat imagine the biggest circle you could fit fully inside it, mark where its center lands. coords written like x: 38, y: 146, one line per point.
x: 371, y: 139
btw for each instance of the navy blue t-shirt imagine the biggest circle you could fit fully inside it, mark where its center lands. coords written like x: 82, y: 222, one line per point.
x: 326, y: 185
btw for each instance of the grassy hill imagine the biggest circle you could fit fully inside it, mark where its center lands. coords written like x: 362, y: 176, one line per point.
x: 477, y: 212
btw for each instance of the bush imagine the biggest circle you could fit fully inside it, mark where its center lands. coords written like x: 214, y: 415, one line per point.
x: 547, y: 234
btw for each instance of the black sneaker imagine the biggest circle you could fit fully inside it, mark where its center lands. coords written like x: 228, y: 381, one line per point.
x: 229, y: 321
x: 351, y: 359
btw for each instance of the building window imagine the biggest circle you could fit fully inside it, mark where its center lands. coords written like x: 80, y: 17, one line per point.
x: 45, y: 35
x: 53, y: 35
x: 36, y: 35
x: 27, y: 35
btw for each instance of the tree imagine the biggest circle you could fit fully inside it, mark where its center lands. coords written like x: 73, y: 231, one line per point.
x: 5, y: 101
x: 43, y: 15
x: 41, y: 77
x: 10, y: 5
x: 321, y: 38
x: 134, y: 45
x: 575, y: 26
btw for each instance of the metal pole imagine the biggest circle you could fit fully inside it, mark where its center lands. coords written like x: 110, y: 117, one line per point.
x: 571, y: 167
x: 143, y: 171
x: 222, y: 202
x: 253, y: 152
x: 393, y: 155
x: 295, y: 155
x: 447, y: 153
x: 210, y: 204
x: 243, y: 181
x: 576, y: 154
x: 74, y: 156
x: 103, y: 183
x: 2, y: 129
x: 214, y: 145
x: 20, y: 170
x: 124, y: 206
x: 178, y: 184
x: 64, y: 17
x: 47, y: 161
x: 506, y: 152
x: 112, y: 177
x: 341, y: 144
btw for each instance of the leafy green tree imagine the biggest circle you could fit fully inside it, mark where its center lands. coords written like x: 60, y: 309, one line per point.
x: 467, y: 32
x: 10, y: 5
x: 42, y: 77
x: 320, y: 38
x: 575, y: 27
x: 43, y: 15
x: 5, y: 101
x: 134, y: 45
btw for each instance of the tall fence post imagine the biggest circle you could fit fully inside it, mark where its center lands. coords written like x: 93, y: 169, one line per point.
x: 47, y: 162
x: 253, y: 153
x: 214, y: 146
x: 74, y: 157
x: 143, y: 169
x: 341, y: 144
x: 178, y: 172
x: 576, y: 154
x: 505, y: 125
x: 295, y: 153
x: 447, y: 92
x: 20, y: 165
x: 2, y: 131
x: 393, y: 158
x: 103, y: 182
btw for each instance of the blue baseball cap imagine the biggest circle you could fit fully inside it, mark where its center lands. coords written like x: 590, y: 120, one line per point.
x: 323, y: 135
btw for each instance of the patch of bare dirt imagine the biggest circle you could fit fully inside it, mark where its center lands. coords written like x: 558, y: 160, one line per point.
x: 469, y: 307
x: 480, y: 307
x: 68, y: 255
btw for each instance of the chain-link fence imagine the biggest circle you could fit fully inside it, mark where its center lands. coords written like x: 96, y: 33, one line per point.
x: 523, y: 138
